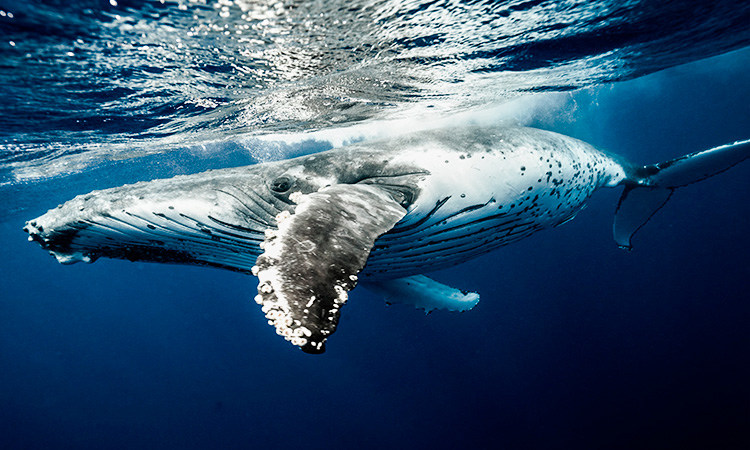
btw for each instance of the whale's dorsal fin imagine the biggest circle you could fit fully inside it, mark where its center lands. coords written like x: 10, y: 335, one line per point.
x: 312, y: 260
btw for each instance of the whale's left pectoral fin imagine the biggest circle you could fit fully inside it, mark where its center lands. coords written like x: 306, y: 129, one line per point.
x: 423, y: 292
x: 312, y: 260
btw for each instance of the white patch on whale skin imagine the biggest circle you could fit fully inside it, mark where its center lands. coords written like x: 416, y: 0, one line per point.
x: 270, y: 281
x: 71, y: 258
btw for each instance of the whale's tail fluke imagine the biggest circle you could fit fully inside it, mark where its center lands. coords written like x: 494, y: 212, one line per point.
x: 648, y: 188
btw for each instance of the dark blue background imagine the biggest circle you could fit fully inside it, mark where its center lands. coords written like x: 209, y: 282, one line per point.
x: 575, y: 344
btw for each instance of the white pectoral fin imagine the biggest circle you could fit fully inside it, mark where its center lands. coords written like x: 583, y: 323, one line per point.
x: 312, y: 260
x: 424, y: 293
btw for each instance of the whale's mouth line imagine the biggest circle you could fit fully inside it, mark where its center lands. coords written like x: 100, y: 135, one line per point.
x: 210, y: 233
x: 140, y: 239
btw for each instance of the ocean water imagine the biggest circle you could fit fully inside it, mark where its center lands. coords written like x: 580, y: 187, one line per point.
x: 575, y: 343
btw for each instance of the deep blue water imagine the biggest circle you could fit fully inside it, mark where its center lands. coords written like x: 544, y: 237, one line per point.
x: 575, y: 343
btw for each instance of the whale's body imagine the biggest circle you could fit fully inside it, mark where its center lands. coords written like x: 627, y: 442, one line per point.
x: 483, y: 194
x: 380, y: 213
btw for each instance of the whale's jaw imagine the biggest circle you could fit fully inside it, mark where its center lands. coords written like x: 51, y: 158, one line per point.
x: 162, y: 221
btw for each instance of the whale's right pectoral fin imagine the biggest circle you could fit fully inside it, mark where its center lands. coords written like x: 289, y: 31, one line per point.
x: 312, y: 260
x: 424, y: 293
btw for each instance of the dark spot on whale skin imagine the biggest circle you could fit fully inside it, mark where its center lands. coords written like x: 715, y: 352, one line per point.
x: 150, y: 226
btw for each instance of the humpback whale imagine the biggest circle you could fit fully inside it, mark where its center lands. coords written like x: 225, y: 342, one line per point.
x: 376, y: 214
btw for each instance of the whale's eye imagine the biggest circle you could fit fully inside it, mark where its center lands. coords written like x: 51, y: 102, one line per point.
x: 281, y: 184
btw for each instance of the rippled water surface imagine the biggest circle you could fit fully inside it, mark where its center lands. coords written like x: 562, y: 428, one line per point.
x: 100, y: 79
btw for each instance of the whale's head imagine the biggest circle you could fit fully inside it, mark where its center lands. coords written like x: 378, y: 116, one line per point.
x: 304, y: 226
x: 217, y: 218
